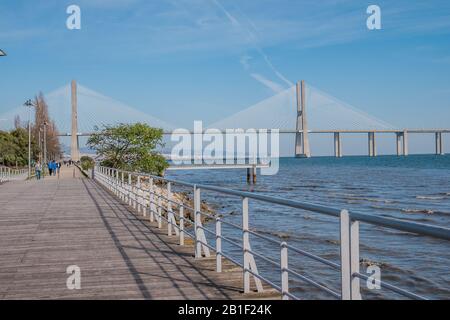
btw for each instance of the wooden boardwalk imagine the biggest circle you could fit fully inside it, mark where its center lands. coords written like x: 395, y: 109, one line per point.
x: 48, y: 225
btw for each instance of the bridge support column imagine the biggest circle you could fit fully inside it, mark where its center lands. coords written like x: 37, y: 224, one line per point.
x: 372, y: 145
x: 439, y: 145
x: 405, y: 143
x: 74, y: 147
x: 398, y: 143
x: 337, y: 145
x: 301, y: 137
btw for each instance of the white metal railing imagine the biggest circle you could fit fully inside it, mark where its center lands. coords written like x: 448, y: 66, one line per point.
x: 7, y: 174
x: 127, y: 186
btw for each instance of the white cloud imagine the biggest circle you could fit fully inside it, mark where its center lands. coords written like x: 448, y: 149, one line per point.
x: 275, y: 87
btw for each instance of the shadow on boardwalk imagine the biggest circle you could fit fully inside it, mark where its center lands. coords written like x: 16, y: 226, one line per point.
x: 48, y: 225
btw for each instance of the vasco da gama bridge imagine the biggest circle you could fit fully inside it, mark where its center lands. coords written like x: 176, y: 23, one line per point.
x: 301, y: 110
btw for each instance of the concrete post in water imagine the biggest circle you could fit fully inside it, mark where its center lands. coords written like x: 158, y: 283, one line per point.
x: 74, y: 148
x: 337, y: 145
x: 398, y: 136
x: 439, y: 149
x: 372, y: 144
x: 301, y: 137
x: 254, y: 174
x: 405, y: 143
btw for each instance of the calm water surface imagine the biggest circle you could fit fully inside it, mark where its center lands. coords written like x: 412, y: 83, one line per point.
x: 414, y: 188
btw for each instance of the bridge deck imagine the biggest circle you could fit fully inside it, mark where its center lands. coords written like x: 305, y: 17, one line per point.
x: 48, y: 225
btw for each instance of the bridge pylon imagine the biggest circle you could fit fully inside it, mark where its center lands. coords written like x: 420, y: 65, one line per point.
x: 301, y: 137
x: 74, y: 146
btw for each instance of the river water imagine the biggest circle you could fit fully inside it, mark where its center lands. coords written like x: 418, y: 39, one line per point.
x: 414, y: 188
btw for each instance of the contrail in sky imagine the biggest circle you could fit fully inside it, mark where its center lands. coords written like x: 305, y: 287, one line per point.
x: 253, y: 36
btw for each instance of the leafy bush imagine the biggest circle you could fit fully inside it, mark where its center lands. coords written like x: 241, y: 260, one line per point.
x: 87, y: 163
x: 130, y: 147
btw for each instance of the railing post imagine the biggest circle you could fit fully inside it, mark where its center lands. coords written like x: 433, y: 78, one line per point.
x: 129, y: 190
x: 117, y: 183
x: 151, y: 197
x: 218, y: 244
x: 246, y: 242
x: 249, y: 260
x: 159, y: 213
x: 198, y: 247
x: 169, y: 210
x: 284, y: 271
x: 138, y: 194
x: 349, y: 239
x: 134, y: 197
x: 354, y: 258
x: 181, y: 226
x: 122, y: 186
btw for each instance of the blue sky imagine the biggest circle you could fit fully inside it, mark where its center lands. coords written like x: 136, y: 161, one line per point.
x: 186, y: 60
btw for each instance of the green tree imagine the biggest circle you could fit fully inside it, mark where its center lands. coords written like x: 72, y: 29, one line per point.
x: 130, y: 147
x: 87, y: 162
x: 14, y: 147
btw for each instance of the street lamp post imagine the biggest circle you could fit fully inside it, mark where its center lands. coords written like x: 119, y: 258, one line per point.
x: 45, y: 144
x: 40, y: 145
x: 29, y: 105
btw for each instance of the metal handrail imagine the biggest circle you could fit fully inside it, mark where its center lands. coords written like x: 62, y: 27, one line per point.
x: 407, y: 226
x: 315, y: 257
x: 7, y: 173
x: 349, y: 233
x: 230, y: 241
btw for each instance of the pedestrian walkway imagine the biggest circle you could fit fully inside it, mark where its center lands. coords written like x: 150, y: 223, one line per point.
x: 48, y: 225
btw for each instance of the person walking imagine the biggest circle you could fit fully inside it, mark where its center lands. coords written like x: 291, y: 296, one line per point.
x: 50, y: 168
x: 58, y: 168
x: 54, y: 167
x: 38, y: 169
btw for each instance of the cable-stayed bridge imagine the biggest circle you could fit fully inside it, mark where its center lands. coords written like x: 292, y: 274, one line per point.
x: 300, y: 110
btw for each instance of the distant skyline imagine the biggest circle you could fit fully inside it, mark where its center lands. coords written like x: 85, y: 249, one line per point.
x: 181, y: 60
